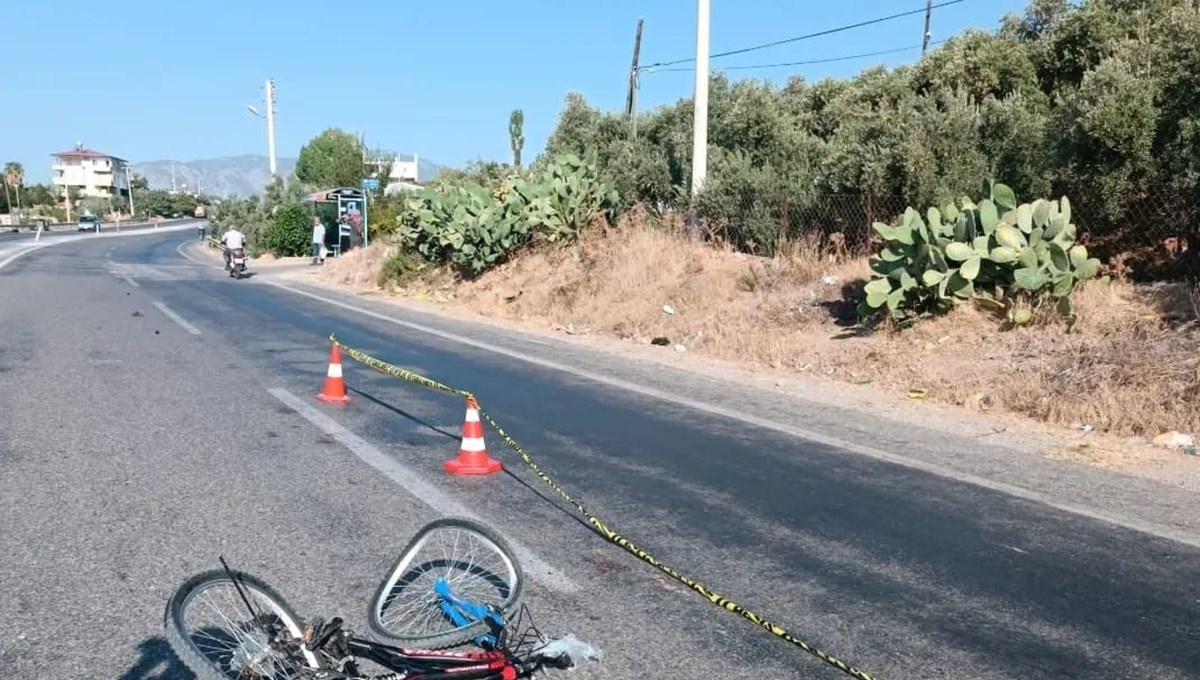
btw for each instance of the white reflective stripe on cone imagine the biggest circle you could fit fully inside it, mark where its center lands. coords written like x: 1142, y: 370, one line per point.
x: 335, y: 370
x: 472, y: 415
x: 473, y: 444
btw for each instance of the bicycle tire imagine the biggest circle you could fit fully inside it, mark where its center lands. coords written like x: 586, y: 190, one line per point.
x: 181, y: 643
x: 457, y: 636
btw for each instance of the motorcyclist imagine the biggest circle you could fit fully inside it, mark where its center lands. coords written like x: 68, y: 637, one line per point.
x: 231, y: 240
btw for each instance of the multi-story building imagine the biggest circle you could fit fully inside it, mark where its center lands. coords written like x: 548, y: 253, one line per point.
x: 393, y: 173
x: 404, y: 176
x: 87, y: 173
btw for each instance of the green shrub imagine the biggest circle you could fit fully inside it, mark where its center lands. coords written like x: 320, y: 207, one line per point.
x: 290, y: 231
x: 384, y: 215
x: 745, y: 200
x: 399, y: 269
x: 968, y: 251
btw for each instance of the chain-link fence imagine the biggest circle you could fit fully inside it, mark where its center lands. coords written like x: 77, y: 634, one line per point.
x: 1146, y: 237
x: 841, y: 222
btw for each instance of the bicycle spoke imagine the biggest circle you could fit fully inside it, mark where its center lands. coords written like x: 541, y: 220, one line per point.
x: 473, y: 568
x: 217, y: 620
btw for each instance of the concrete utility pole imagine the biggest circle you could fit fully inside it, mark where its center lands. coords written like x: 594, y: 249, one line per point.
x: 700, y: 100
x: 129, y: 185
x: 928, y: 13
x: 271, y: 124
x: 631, y: 98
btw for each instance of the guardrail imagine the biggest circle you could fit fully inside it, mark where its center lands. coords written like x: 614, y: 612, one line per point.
x: 120, y: 224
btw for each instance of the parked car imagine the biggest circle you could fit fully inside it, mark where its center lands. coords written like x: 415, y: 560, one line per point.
x: 88, y: 223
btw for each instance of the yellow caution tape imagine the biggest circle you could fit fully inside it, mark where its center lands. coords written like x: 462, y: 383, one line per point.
x: 601, y: 527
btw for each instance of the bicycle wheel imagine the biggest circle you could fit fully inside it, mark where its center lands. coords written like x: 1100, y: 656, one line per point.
x: 214, y: 635
x: 475, y: 561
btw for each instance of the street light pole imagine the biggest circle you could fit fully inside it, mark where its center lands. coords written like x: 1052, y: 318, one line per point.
x: 700, y: 100
x: 270, y: 117
x: 129, y: 185
x: 271, y: 124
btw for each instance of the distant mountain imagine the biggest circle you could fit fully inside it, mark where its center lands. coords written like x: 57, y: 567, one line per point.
x: 245, y: 175
x: 231, y: 176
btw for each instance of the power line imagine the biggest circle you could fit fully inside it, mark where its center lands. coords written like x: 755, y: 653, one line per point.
x: 827, y: 60
x: 809, y: 36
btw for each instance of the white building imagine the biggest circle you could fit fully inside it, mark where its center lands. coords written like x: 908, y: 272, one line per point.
x: 403, y: 175
x: 87, y: 173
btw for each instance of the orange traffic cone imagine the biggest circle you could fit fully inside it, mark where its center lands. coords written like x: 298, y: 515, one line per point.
x: 335, y: 386
x: 473, y: 458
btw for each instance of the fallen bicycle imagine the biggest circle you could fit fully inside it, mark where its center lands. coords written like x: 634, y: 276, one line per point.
x: 422, y: 608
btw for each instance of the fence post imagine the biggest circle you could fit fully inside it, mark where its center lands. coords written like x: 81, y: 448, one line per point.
x: 784, y: 223
x: 866, y: 235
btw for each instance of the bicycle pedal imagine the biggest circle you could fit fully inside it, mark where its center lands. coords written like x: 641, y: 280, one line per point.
x: 310, y: 631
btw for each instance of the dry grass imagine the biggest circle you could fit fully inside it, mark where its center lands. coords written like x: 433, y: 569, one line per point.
x: 1129, y: 365
x: 358, y: 268
x: 619, y: 281
x: 1122, y: 368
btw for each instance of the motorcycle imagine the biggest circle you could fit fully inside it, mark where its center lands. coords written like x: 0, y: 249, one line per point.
x: 237, y: 263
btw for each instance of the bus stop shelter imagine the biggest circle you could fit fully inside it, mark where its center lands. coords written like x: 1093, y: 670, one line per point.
x: 347, y: 202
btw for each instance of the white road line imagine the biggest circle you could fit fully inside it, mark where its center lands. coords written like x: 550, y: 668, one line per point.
x: 179, y: 249
x: 1153, y: 529
x: 177, y: 319
x: 23, y: 251
x: 411, y: 482
x: 131, y: 282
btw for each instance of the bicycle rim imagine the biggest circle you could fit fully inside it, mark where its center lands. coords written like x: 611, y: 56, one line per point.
x: 475, y: 561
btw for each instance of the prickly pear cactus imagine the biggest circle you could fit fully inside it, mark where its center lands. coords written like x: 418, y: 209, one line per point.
x: 991, y: 250
x: 474, y: 227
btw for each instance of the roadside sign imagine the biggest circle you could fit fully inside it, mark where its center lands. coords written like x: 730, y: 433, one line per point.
x: 370, y: 183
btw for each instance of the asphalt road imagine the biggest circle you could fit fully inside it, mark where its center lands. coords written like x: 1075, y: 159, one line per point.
x: 151, y: 423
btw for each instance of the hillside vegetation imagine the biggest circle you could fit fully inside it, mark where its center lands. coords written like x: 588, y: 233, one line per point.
x: 1099, y: 102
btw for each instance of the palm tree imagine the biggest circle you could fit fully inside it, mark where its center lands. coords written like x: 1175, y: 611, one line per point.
x: 14, y: 175
x: 7, y: 196
x: 19, y: 174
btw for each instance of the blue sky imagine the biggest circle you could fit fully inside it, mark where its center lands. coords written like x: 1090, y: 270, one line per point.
x: 151, y: 80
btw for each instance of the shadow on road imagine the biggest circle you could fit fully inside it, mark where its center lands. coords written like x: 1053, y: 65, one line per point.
x: 554, y: 502
x: 402, y: 413
x: 157, y: 662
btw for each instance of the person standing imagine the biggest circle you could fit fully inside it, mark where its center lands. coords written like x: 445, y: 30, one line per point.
x: 318, y: 238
